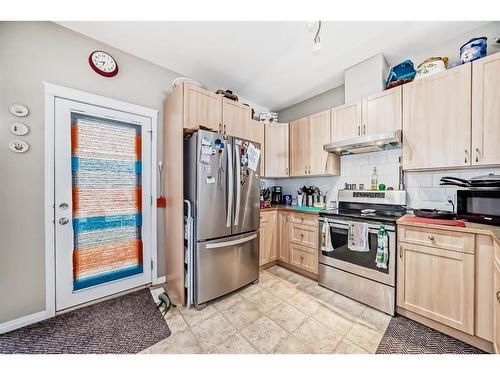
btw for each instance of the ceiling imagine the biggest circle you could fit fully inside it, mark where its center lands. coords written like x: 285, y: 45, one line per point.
x: 272, y: 64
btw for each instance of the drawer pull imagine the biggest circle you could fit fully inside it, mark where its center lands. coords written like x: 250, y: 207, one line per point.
x: 302, y: 235
x: 430, y: 237
x: 498, y: 296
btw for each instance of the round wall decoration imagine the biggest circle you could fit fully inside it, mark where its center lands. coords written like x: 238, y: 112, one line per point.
x: 103, y: 63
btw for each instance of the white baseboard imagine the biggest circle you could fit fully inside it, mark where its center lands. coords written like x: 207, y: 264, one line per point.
x: 160, y: 280
x: 24, y: 321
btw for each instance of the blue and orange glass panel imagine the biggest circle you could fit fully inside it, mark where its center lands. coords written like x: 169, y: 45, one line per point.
x: 107, y: 220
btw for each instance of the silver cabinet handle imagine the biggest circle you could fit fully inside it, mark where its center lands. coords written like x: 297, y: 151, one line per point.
x: 364, y: 129
x: 466, y: 153
x: 230, y: 171
x: 431, y: 237
x: 359, y: 130
x: 238, y: 185
x: 477, y: 155
x: 286, y: 171
x: 63, y: 221
x: 498, y: 296
x: 401, y: 251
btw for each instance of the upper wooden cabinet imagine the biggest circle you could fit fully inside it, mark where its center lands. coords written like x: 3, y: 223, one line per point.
x: 437, y: 120
x: 307, y: 138
x: 201, y: 107
x: 321, y: 162
x: 299, y: 147
x: 236, y: 119
x: 276, y: 150
x: 486, y: 110
x: 381, y: 112
x: 258, y: 136
x: 346, y: 121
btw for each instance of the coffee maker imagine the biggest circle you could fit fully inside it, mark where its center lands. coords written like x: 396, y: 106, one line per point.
x: 276, y: 195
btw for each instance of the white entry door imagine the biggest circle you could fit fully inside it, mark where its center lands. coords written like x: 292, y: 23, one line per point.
x: 102, y: 202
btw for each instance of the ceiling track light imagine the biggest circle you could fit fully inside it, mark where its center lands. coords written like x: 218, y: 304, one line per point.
x: 317, y: 40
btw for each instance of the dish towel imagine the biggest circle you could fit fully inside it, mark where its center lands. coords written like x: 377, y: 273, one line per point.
x: 357, y: 238
x: 326, y: 240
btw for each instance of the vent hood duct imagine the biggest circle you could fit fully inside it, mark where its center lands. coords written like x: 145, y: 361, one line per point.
x: 368, y: 143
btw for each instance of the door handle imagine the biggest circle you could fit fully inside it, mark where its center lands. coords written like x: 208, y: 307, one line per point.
x: 63, y: 221
x: 229, y: 186
x: 466, y: 153
x: 400, y: 252
x: 477, y: 155
x: 364, y: 129
x: 238, y: 185
x: 359, y: 130
x: 498, y: 296
x: 231, y: 243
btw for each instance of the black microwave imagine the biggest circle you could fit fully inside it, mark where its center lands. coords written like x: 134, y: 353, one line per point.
x: 479, y: 206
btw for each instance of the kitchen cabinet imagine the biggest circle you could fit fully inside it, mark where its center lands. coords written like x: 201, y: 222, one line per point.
x: 320, y: 161
x: 437, y: 284
x: 437, y: 120
x: 299, y: 147
x: 486, y: 110
x: 496, y: 300
x: 236, y: 119
x: 381, y: 112
x: 304, y: 258
x: 276, y: 150
x: 201, y: 108
x: 284, y: 237
x: 268, y: 235
x: 346, y: 121
x: 257, y: 129
x: 308, y: 135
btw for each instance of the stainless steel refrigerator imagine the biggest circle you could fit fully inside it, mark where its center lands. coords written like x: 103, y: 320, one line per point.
x: 222, y: 183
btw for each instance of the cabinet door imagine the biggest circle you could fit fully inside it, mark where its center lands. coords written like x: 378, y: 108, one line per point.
x: 304, y: 258
x: 284, y: 238
x: 437, y: 120
x: 381, y: 113
x: 486, y: 110
x: 437, y: 284
x: 299, y: 147
x: 322, y: 162
x: 268, y: 236
x: 202, y: 107
x: 276, y: 150
x: 496, y: 309
x: 257, y: 129
x: 236, y: 119
x: 346, y: 121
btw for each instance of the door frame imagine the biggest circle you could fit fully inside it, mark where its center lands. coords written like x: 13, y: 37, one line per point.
x: 53, y: 91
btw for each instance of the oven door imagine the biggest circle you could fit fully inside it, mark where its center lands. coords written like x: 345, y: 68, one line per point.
x: 359, y: 263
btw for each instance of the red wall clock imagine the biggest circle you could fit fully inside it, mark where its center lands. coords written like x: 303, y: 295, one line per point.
x: 103, y: 63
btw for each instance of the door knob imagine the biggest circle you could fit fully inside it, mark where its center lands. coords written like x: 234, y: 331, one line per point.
x: 431, y: 237
x: 63, y: 221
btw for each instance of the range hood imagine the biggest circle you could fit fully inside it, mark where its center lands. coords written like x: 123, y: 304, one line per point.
x: 368, y: 143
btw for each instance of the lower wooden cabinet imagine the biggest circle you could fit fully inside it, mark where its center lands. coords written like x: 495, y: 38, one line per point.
x: 304, y: 257
x: 268, y: 235
x: 437, y: 284
x: 496, y: 301
x: 284, y: 237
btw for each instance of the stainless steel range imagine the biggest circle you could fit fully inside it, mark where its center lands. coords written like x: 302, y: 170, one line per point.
x: 355, y: 273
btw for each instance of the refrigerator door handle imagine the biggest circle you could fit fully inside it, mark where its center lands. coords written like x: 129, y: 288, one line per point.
x: 230, y: 170
x: 238, y: 184
x: 231, y: 243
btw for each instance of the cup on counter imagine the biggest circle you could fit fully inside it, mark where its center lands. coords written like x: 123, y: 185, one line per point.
x: 300, y: 198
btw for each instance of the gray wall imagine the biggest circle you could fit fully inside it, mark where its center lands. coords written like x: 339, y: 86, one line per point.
x: 32, y: 52
x: 318, y: 103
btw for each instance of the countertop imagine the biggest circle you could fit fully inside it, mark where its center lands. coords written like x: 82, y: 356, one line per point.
x: 302, y: 209
x: 477, y: 228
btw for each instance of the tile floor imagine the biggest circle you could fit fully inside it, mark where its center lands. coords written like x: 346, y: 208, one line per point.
x: 283, y: 313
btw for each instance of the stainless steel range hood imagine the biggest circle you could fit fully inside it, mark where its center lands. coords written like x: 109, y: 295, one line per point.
x: 368, y: 143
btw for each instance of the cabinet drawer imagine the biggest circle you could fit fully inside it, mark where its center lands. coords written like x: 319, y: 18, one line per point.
x: 304, y: 258
x: 443, y: 239
x: 310, y: 220
x: 304, y: 235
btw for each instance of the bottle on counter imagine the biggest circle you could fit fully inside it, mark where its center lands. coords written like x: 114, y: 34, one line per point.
x: 374, y: 183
